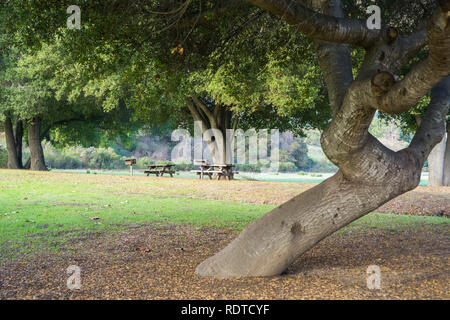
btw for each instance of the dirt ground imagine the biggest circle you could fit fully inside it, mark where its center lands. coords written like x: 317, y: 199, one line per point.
x: 158, y: 262
x: 422, y: 201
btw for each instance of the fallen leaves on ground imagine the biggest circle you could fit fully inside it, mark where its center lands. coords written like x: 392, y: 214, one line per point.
x: 158, y: 262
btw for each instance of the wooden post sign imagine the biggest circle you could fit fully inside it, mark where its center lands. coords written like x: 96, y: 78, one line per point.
x: 130, y: 162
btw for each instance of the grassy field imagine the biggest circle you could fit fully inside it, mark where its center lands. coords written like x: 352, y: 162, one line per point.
x: 142, y: 238
x: 42, y: 210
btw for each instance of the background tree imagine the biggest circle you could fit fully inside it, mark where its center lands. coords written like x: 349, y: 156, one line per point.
x: 215, y: 62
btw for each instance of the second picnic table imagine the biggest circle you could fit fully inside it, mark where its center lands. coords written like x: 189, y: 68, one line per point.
x: 160, y: 169
x: 221, y: 170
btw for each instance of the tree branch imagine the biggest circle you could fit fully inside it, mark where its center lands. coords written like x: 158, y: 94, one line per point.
x: 334, y: 59
x: 321, y: 26
x: 433, y: 125
x: 412, y: 44
x: 193, y: 110
x: 198, y: 115
x: 206, y: 111
x: 405, y: 94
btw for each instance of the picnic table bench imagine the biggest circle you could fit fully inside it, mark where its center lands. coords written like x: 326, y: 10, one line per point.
x: 160, y: 169
x: 221, y: 170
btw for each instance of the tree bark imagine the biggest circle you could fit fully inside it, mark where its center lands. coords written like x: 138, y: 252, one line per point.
x: 34, y: 142
x: 338, y: 76
x: 13, y: 161
x: 436, y: 165
x: 18, y: 135
x: 214, y: 125
x: 447, y: 159
x: 27, y: 164
x: 274, y: 241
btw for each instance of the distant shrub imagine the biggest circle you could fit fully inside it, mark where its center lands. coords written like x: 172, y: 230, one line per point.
x: 143, y: 162
x: 82, y: 158
x: 287, y: 167
x: 3, y: 157
x: 106, y: 159
x: 324, y: 166
x: 248, y: 167
x: 184, y: 166
x: 59, y: 160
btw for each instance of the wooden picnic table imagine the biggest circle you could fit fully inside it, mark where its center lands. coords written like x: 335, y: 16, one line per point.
x: 160, y: 169
x: 221, y: 170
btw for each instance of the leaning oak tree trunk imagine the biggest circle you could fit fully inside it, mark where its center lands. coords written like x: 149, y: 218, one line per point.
x: 13, y: 161
x: 369, y: 173
x: 37, y: 162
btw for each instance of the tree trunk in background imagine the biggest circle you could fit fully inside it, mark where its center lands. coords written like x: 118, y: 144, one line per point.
x: 18, y: 135
x: 218, y: 150
x: 34, y: 142
x: 27, y: 164
x: 215, y: 121
x: 436, y: 165
x: 447, y: 159
x: 13, y: 162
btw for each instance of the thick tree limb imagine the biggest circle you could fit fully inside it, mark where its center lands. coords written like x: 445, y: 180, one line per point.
x: 195, y: 112
x: 208, y: 113
x: 320, y: 26
x: 46, y: 129
x: 405, y: 94
x: 412, y: 44
x: 432, y: 126
x: 334, y: 58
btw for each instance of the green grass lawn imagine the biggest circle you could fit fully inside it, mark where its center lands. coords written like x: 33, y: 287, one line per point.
x: 41, y: 211
x: 36, y: 214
